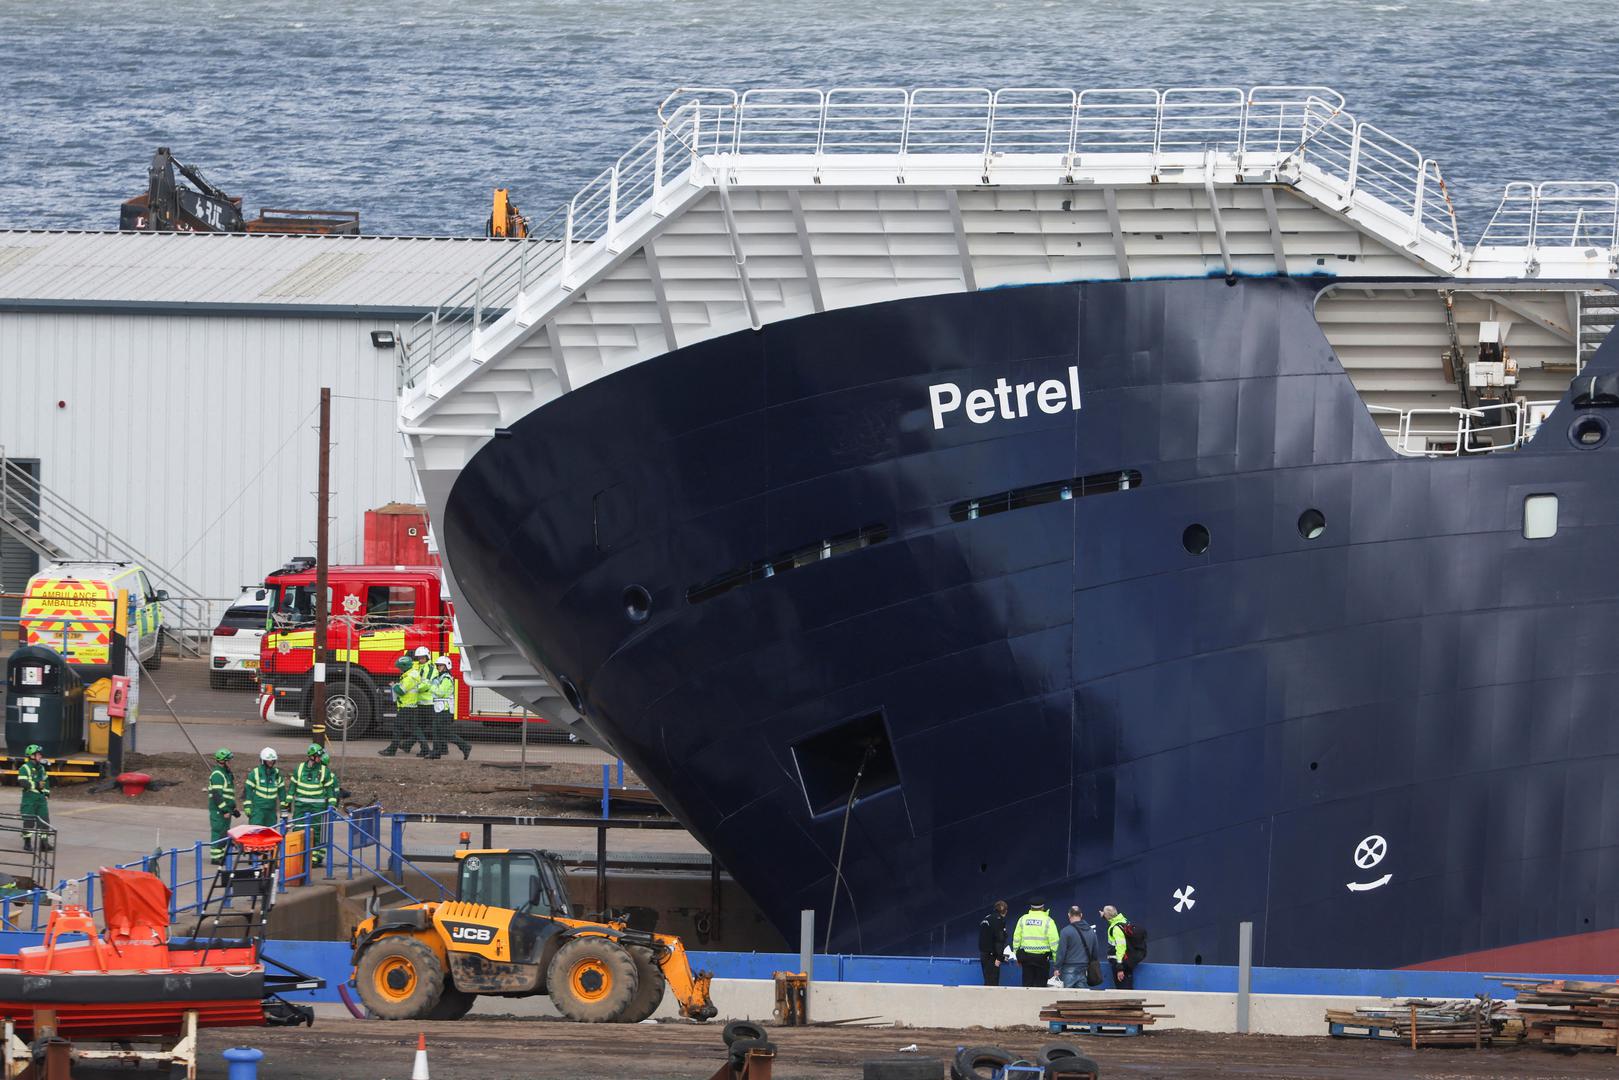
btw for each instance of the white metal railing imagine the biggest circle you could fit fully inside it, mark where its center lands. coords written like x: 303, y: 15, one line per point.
x: 1555, y: 213
x: 36, y: 507
x: 1267, y: 126
x: 1458, y: 432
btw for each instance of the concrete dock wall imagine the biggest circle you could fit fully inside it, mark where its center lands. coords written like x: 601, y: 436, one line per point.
x: 959, y: 1007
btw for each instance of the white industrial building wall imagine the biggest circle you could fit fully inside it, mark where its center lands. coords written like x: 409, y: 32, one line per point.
x: 194, y: 436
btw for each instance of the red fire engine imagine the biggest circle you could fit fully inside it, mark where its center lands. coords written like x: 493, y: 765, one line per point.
x: 378, y: 613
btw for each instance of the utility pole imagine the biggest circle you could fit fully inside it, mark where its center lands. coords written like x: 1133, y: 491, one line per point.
x: 323, y: 495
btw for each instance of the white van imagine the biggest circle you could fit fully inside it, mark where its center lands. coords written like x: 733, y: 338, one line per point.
x: 70, y: 606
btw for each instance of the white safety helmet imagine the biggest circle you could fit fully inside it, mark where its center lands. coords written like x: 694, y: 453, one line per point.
x: 444, y: 662
x: 422, y: 653
x: 268, y: 755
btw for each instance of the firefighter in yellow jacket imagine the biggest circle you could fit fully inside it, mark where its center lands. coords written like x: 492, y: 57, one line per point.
x: 442, y: 690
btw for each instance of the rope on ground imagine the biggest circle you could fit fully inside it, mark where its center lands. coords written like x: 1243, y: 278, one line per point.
x: 180, y: 723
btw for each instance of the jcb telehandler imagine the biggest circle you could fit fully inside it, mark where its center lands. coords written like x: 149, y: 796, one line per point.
x: 510, y: 932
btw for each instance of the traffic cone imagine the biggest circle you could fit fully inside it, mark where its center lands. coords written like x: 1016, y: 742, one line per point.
x: 419, y: 1070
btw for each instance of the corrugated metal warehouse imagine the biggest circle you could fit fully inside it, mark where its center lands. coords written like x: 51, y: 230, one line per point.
x: 165, y: 386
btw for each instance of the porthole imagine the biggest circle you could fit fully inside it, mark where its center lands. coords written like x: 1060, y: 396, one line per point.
x: 1195, y: 539
x: 637, y: 603
x: 1314, y: 765
x: 1312, y: 523
x: 1539, y: 517
x: 571, y: 692
x: 1588, y: 432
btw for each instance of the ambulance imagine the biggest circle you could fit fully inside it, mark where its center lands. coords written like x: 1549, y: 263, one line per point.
x: 70, y: 606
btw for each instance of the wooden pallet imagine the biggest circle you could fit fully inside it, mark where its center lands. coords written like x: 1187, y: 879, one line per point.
x: 1368, y: 1031
x: 1422, y: 1022
x: 1568, y: 1013
x: 1063, y: 1027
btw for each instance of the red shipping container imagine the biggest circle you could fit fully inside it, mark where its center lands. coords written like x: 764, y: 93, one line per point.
x: 396, y: 535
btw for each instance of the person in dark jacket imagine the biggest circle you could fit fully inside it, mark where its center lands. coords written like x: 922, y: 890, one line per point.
x: 992, y: 943
x: 1077, y: 950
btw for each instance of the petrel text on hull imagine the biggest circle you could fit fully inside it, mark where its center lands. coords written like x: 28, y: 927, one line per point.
x: 1302, y: 612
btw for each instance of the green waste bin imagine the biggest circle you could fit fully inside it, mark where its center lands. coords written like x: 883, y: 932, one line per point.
x: 44, y: 703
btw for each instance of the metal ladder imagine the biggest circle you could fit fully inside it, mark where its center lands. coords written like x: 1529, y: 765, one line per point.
x: 1599, y: 311
x: 58, y: 531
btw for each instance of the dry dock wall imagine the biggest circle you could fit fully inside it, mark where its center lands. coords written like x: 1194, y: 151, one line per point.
x: 960, y: 1007
x: 1211, y: 1008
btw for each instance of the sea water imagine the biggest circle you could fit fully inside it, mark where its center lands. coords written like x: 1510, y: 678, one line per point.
x: 412, y: 112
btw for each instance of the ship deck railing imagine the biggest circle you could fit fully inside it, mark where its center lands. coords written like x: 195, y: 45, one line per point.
x: 1457, y: 431
x: 1300, y: 135
x: 1552, y: 228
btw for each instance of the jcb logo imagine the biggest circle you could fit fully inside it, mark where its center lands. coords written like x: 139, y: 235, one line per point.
x: 472, y: 935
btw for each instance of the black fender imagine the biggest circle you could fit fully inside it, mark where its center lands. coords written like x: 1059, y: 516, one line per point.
x: 392, y: 921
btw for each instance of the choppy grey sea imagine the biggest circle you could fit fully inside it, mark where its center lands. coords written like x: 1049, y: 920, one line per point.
x: 411, y: 112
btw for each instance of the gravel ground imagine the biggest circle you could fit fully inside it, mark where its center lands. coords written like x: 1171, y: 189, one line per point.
x: 402, y: 782
x: 491, y: 1049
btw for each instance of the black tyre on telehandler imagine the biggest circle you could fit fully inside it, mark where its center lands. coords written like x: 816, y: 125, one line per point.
x: 592, y: 979
x: 399, y: 978
x: 649, y: 986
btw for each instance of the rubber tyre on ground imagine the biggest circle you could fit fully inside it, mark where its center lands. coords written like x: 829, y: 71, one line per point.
x: 1054, y: 1050
x: 649, y: 986
x: 979, y: 1062
x: 742, y: 1029
x: 1078, y: 1066
x: 399, y: 978
x: 909, y: 1067
x: 453, y: 1005
x: 591, y: 980
x: 218, y: 680
x: 155, y: 661
x: 740, y: 1048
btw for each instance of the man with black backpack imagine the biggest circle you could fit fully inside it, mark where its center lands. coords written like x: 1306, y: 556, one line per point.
x: 1126, y: 946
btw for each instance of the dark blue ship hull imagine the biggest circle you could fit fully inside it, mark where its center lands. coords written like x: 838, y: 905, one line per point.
x: 768, y: 564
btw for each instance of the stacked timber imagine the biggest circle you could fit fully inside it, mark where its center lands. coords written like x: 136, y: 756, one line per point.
x: 1566, y: 1013
x: 1423, y: 1022
x: 1102, y: 1010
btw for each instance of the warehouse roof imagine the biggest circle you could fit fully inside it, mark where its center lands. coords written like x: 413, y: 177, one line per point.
x: 124, y: 269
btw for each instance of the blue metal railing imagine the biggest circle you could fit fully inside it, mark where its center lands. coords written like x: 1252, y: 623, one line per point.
x: 351, y: 846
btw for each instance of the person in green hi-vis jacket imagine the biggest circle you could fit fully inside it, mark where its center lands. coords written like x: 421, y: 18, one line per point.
x: 35, y: 778
x: 265, y: 791
x: 221, y: 805
x: 314, y: 789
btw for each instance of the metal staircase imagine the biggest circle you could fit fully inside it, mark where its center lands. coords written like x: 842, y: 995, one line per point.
x: 1599, y: 312
x: 58, y: 531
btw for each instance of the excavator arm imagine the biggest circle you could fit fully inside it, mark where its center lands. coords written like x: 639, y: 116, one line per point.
x: 690, y: 990
x: 171, y: 206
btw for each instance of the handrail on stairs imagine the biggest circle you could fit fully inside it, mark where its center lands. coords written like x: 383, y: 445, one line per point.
x: 75, y: 534
x: 1299, y: 127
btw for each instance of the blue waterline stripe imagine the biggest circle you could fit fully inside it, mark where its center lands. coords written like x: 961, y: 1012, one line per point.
x: 330, y: 961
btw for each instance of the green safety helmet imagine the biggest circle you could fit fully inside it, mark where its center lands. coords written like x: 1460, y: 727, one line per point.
x: 403, y: 663
x: 223, y: 754
x: 33, y: 748
x: 315, y: 750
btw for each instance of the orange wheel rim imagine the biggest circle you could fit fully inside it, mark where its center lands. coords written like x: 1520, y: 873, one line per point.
x: 396, y: 978
x: 590, y: 979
